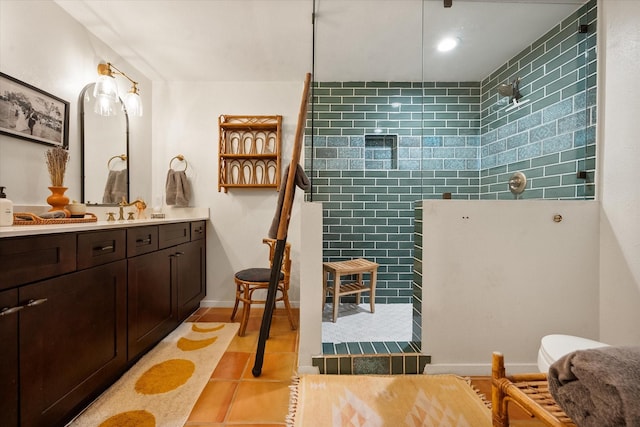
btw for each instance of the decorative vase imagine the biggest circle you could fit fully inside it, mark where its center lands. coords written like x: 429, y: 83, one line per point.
x: 58, y: 200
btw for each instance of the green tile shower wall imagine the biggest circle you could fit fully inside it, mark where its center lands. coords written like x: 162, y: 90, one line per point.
x: 452, y: 137
x: 551, y: 137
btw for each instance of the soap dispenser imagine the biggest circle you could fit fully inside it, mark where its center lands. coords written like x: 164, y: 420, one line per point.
x: 6, y: 209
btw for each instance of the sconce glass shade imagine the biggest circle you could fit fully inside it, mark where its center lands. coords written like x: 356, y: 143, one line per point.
x: 104, y: 106
x: 133, y: 103
x: 106, y: 87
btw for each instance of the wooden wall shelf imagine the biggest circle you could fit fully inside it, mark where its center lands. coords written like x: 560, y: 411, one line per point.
x: 249, y: 152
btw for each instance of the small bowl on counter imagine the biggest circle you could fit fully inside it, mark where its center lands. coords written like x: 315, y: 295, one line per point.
x: 77, y: 210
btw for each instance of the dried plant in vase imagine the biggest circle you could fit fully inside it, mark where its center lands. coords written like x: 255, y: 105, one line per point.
x: 57, y: 159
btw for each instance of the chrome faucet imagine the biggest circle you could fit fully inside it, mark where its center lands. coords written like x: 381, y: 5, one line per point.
x: 138, y: 203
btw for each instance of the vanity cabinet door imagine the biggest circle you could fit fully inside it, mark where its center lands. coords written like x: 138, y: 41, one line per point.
x: 72, y: 342
x: 152, y: 300
x: 9, y: 357
x: 190, y: 266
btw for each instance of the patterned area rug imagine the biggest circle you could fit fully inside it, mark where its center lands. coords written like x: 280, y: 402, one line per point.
x: 373, y: 401
x: 161, y: 389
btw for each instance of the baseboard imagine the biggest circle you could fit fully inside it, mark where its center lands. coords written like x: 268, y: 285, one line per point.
x: 477, y: 369
x: 229, y: 304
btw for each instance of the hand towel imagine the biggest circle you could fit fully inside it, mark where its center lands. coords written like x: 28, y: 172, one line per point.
x: 302, y: 181
x: 116, y: 187
x: 598, y: 387
x: 178, y: 188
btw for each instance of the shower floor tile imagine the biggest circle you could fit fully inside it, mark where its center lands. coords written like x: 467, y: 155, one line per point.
x: 390, y: 322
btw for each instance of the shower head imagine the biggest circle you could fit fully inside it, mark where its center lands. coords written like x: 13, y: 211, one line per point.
x: 505, y: 89
x: 511, y: 90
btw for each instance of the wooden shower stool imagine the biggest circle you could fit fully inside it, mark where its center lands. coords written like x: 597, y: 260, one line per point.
x: 357, y: 267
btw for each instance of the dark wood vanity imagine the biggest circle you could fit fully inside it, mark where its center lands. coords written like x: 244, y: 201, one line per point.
x: 79, y: 308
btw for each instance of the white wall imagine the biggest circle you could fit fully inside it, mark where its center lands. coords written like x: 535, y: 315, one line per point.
x: 186, y: 122
x: 43, y: 46
x: 310, y: 343
x: 500, y: 275
x: 618, y: 167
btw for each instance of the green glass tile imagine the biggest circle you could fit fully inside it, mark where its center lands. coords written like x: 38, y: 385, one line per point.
x: 341, y: 123
x: 552, y: 181
x: 423, y: 360
x: 397, y: 365
x: 354, y: 348
x: 559, y: 169
x: 378, y: 365
x: 341, y: 348
x: 341, y: 92
x: 318, y: 362
x: 345, y: 365
x: 377, y: 84
x: 352, y: 84
x: 364, y: 107
x: 411, y: 364
x: 545, y: 102
x: 389, y: 92
x: 331, y: 365
x: 563, y: 82
x: 353, y: 131
x: 342, y: 107
x: 354, y: 99
x: 463, y: 106
x: 560, y: 193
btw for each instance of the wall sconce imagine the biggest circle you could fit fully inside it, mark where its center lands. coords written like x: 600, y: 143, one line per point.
x: 106, y: 92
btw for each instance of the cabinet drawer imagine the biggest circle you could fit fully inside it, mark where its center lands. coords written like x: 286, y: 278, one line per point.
x: 173, y: 234
x: 25, y: 260
x: 198, y: 229
x: 141, y: 240
x: 101, y: 247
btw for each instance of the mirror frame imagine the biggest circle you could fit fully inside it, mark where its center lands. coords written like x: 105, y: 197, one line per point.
x: 81, y: 113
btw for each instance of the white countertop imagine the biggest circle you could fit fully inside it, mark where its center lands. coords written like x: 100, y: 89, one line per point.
x: 171, y: 216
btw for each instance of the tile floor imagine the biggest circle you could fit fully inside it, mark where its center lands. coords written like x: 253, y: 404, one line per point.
x: 234, y: 397
x: 356, y: 323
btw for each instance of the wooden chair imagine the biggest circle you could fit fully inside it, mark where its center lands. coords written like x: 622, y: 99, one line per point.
x: 529, y: 391
x: 252, y: 279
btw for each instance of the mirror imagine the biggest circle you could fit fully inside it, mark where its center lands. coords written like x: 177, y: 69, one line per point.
x: 104, y: 142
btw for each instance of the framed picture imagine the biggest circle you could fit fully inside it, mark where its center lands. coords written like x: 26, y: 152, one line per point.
x: 30, y: 113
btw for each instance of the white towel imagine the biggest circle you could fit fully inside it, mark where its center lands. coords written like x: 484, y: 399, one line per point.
x: 177, y: 188
x: 116, y: 187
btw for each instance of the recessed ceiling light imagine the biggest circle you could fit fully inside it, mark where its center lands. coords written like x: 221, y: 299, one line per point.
x: 448, y: 44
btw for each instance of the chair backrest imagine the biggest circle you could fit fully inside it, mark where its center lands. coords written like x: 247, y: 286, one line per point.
x: 286, y: 259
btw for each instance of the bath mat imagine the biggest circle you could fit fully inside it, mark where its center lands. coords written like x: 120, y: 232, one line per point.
x: 376, y: 401
x: 162, y: 387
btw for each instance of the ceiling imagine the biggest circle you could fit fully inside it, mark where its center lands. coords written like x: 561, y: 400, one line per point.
x: 272, y: 40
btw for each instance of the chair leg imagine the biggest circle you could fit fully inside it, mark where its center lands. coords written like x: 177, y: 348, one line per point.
x: 285, y: 299
x: 235, y: 306
x: 246, y: 308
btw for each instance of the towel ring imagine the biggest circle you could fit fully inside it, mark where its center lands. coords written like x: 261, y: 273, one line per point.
x: 182, y: 159
x: 122, y: 157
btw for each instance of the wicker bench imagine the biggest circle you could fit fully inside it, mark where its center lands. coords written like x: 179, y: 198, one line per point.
x: 528, y: 391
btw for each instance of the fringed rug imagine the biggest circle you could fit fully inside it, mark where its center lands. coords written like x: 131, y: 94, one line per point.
x: 161, y: 389
x: 372, y: 401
